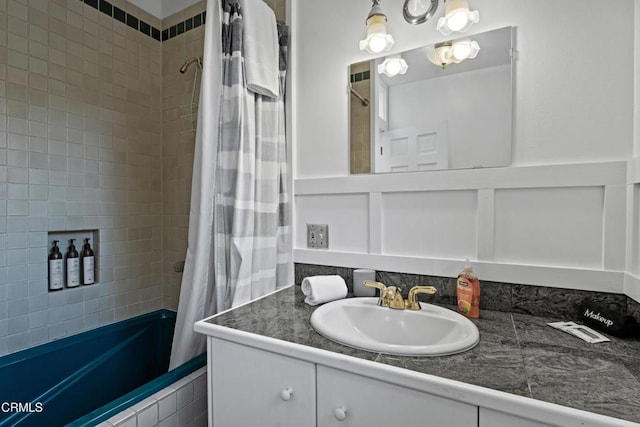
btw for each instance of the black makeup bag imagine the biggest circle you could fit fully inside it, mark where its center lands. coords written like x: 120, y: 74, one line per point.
x: 603, y: 318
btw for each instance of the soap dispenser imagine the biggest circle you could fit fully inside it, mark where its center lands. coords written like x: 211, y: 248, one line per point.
x: 56, y: 268
x: 73, y: 266
x: 468, y: 292
x: 88, y: 263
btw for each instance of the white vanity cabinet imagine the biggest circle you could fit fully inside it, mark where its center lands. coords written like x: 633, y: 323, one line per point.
x: 252, y: 387
x: 346, y: 399
x: 261, y: 381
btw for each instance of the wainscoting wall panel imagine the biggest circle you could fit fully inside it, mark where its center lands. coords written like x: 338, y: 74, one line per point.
x: 632, y: 276
x: 550, y: 226
x: 554, y: 225
x: 346, y: 214
x: 439, y: 224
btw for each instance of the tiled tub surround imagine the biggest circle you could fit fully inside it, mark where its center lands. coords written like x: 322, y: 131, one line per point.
x: 80, y: 149
x: 508, y: 297
x: 184, y: 403
x: 95, y: 133
x: 517, y: 354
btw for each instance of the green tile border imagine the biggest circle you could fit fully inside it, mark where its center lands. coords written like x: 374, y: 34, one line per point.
x: 145, y: 28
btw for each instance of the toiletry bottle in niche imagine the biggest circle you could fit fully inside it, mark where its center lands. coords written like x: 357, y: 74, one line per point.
x: 56, y: 268
x: 88, y: 263
x: 468, y: 290
x: 73, y: 266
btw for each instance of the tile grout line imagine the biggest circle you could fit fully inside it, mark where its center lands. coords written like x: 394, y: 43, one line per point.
x: 524, y: 365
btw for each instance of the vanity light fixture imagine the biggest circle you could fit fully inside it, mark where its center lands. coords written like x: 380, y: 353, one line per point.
x: 464, y: 49
x: 440, y: 54
x: 419, y: 11
x: 393, y: 65
x: 457, y: 17
x: 377, y: 39
x: 453, y: 52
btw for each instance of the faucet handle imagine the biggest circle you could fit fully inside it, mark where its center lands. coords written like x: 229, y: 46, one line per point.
x: 380, y: 286
x: 377, y: 285
x: 412, y: 302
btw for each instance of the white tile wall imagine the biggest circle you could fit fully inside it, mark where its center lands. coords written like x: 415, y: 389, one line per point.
x: 80, y: 148
x: 179, y: 141
x: 184, y: 403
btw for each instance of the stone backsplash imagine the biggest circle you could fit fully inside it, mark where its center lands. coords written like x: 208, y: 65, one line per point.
x: 535, y: 300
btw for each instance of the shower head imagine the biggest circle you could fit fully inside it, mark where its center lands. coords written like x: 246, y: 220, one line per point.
x: 196, y: 59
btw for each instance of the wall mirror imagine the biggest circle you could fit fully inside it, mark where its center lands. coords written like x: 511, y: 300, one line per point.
x: 434, y: 116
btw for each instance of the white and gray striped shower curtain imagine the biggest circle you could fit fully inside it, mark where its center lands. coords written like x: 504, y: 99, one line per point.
x: 239, y: 227
x: 251, y: 224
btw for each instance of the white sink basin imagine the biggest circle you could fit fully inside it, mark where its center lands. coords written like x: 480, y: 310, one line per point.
x: 360, y: 323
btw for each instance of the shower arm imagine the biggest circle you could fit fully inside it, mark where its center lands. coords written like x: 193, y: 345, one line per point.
x: 188, y: 62
x: 362, y: 99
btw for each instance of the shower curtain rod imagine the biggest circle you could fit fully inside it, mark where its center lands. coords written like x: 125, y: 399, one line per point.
x: 362, y: 99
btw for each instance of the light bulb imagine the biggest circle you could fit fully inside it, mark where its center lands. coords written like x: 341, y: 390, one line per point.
x: 460, y: 51
x: 393, y: 65
x: 458, y: 20
x: 457, y: 17
x: 464, y: 49
x: 377, y: 39
x: 377, y: 43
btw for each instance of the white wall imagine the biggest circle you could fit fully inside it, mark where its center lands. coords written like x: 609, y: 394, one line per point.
x: 163, y: 8
x: 572, y: 103
x: 561, y: 225
x: 632, y: 278
x: 636, y: 134
x: 481, y: 117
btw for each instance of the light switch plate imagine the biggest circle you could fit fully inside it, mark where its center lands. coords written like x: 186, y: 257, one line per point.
x: 318, y: 236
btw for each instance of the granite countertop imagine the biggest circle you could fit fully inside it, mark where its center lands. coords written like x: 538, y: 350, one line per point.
x: 517, y: 354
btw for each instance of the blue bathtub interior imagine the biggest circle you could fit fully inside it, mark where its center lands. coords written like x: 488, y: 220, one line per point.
x: 87, y: 378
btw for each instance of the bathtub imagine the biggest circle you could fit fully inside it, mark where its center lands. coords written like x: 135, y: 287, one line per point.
x: 86, y: 378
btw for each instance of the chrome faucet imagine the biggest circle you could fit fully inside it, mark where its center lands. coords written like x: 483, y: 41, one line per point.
x: 390, y: 296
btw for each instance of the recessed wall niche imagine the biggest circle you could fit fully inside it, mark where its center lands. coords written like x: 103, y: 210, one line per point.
x: 63, y: 238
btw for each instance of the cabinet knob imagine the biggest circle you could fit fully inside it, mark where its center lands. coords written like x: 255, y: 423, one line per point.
x: 340, y: 413
x: 286, y: 393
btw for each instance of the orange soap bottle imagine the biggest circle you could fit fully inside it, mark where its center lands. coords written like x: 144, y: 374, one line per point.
x: 468, y: 290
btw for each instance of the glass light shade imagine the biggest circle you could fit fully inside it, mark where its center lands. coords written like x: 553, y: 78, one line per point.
x: 464, y: 49
x: 417, y: 12
x: 440, y: 55
x: 418, y: 7
x: 457, y: 17
x: 377, y: 39
x: 453, y: 52
x: 392, y: 66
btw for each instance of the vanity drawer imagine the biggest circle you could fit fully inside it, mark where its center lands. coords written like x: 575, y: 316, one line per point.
x: 252, y: 387
x: 346, y: 399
